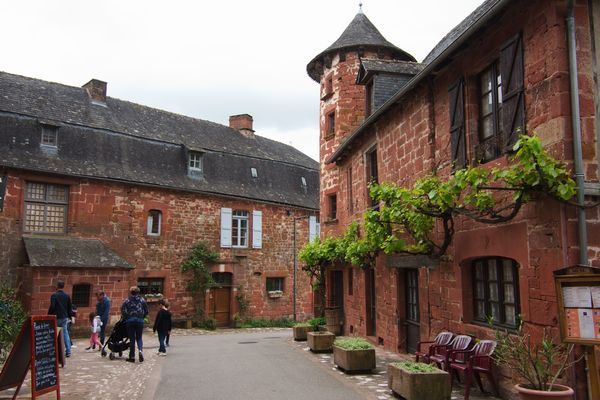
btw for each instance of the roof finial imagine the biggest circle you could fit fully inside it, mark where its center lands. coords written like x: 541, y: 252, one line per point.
x: 360, y: 7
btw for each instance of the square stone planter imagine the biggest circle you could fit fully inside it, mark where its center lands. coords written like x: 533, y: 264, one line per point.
x: 354, y: 360
x: 301, y: 331
x: 417, y: 386
x: 320, y: 342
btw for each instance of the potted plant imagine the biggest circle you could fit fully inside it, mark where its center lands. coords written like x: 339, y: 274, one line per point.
x: 275, y: 294
x: 320, y: 342
x: 415, y: 380
x: 237, y: 321
x: 540, y: 365
x: 302, y: 328
x: 354, y: 354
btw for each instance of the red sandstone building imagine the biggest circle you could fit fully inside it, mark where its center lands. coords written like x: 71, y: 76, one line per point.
x: 107, y: 194
x: 386, y: 118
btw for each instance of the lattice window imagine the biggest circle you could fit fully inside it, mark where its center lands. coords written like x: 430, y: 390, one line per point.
x: 49, y: 135
x: 195, y: 161
x: 46, y: 208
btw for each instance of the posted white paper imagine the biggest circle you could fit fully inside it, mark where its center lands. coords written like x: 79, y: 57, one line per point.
x: 586, y: 324
x: 577, y: 297
x: 596, y: 296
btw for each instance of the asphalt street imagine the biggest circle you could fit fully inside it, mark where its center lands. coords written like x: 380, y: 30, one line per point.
x: 254, y: 365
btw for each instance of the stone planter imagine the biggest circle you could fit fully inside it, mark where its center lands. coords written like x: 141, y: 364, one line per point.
x: 416, y: 386
x: 333, y: 320
x: 354, y: 360
x: 560, y: 392
x: 320, y: 341
x: 301, y: 331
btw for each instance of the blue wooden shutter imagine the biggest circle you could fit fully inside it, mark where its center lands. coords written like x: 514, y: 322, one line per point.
x: 257, y: 229
x: 225, y: 227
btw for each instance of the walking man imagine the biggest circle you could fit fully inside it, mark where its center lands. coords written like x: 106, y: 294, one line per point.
x: 103, y: 311
x: 60, y: 305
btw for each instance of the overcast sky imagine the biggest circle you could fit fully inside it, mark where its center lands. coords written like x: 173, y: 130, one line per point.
x: 207, y: 59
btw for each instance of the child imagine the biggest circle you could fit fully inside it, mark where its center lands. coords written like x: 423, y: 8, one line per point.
x: 162, y: 325
x: 95, y: 324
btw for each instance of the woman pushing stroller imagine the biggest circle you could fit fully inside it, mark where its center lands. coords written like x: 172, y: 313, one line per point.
x: 133, y: 312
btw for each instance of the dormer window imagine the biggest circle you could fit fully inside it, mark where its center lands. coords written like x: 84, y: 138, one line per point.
x: 195, y: 162
x: 253, y: 172
x: 303, y: 179
x: 49, y: 135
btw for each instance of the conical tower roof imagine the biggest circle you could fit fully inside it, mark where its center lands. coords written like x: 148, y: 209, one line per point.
x: 360, y: 33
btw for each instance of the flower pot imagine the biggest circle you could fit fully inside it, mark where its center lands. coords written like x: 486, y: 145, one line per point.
x: 416, y: 386
x: 301, y: 331
x: 320, y: 341
x: 354, y: 360
x: 559, y: 392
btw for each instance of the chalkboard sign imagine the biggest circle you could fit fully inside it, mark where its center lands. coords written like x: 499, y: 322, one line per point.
x: 35, y: 347
x: 44, y: 368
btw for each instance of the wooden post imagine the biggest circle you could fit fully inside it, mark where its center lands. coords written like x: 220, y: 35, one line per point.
x: 592, y: 367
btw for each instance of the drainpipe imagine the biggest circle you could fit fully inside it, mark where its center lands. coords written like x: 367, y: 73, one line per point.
x: 576, y: 127
x: 295, y: 271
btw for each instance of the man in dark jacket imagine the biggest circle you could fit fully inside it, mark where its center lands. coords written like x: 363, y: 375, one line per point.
x: 133, y: 310
x: 60, y: 305
x: 103, y: 311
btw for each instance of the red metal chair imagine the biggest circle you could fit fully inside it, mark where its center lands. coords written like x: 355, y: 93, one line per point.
x: 442, y: 339
x: 474, y: 362
x: 441, y: 354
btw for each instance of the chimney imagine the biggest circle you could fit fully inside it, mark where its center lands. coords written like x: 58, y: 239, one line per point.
x: 96, y: 91
x: 242, y: 123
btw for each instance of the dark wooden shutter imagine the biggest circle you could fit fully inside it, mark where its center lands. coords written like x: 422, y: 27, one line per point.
x: 512, y: 120
x: 457, y: 124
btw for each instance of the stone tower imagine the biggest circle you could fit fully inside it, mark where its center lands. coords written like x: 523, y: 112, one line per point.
x: 343, y: 98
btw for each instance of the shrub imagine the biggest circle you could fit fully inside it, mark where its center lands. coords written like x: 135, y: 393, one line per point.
x: 353, y: 344
x: 209, y: 324
x: 12, y: 316
x: 268, y: 323
x: 416, y: 367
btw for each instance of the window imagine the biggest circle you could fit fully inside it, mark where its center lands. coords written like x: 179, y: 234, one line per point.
x: 49, y: 135
x: 490, y: 113
x: 495, y: 291
x: 275, y: 284
x: 154, y: 220
x: 46, y: 208
x: 350, y: 198
x: 350, y: 281
x: 372, y: 174
x: 330, y: 130
x: 222, y: 278
x: 303, y: 180
x: 81, y: 295
x: 195, y: 161
x: 314, y: 227
x: 151, y: 285
x: 239, y: 228
x: 332, y: 200
x: 254, y: 172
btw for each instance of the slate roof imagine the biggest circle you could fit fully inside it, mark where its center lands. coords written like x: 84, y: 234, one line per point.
x: 359, y: 33
x: 127, y: 142
x: 71, y: 253
x: 452, y: 41
x: 368, y: 67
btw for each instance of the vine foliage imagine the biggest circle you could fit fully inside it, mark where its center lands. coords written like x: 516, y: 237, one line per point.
x: 420, y: 220
x: 197, y: 263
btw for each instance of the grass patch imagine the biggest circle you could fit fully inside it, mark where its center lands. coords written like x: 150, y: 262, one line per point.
x: 268, y: 323
x: 353, y: 344
x: 417, y: 367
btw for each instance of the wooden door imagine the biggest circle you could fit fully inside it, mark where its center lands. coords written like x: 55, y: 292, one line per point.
x: 370, y: 300
x: 219, y: 305
x: 413, y: 324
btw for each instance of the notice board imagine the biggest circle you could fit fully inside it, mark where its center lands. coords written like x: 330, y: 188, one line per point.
x: 579, y: 308
x: 36, y: 348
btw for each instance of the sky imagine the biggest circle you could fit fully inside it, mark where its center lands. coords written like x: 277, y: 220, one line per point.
x: 209, y: 60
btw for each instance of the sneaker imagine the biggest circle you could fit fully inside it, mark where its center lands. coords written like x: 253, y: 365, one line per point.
x: 68, y: 355
x: 141, y: 356
x: 131, y: 360
x: 162, y: 354
x: 88, y: 348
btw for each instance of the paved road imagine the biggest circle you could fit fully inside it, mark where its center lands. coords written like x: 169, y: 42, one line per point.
x: 254, y: 365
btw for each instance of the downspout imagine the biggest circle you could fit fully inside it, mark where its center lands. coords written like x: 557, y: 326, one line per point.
x: 576, y: 128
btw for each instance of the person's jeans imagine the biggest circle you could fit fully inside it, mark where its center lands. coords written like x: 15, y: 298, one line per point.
x: 161, y: 342
x: 103, y: 329
x: 134, y: 331
x: 64, y: 324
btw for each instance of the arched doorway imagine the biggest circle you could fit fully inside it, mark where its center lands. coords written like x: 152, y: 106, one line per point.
x: 219, y: 299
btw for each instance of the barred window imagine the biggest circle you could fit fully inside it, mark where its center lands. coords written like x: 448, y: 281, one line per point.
x: 81, y: 295
x: 46, y: 208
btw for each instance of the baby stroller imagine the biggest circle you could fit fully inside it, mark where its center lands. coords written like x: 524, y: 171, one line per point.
x: 118, y: 341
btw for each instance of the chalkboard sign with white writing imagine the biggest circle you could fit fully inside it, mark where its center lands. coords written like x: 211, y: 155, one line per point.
x: 44, y: 342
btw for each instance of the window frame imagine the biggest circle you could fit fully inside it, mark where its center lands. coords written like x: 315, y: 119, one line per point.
x: 195, y: 158
x: 500, y: 281
x: 46, y: 130
x: 330, y: 124
x: 147, y: 289
x: 332, y: 207
x: 236, y: 231
x: 75, y: 296
x: 28, y: 200
x: 150, y: 222
x: 493, y: 142
x: 279, y: 279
